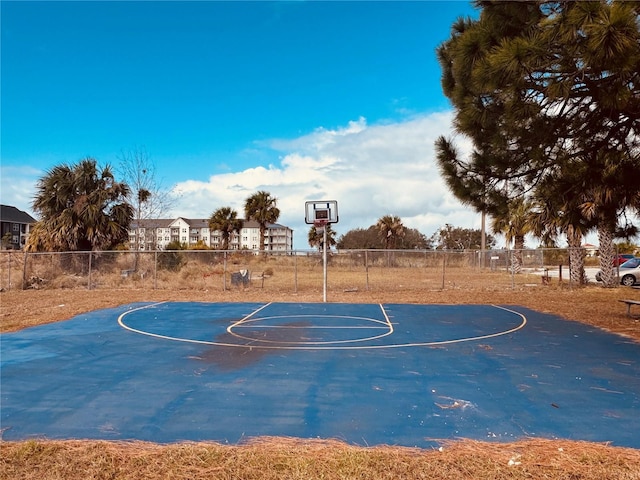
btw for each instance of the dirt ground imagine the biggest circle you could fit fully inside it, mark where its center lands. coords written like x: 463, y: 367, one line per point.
x: 278, y: 458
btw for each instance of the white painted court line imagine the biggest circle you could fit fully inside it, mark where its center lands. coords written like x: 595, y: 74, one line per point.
x: 247, y: 317
x: 384, y: 312
x: 322, y: 345
x: 253, y: 323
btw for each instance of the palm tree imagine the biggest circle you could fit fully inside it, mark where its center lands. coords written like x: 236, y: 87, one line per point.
x: 605, y: 201
x: 261, y: 207
x: 316, y: 238
x: 556, y: 209
x: 515, y: 225
x: 81, y: 207
x: 390, y: 228
x: 226, y: 221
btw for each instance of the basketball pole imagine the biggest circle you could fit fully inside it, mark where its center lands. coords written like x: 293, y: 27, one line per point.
x: 324, y: 264
x: 321, y: 213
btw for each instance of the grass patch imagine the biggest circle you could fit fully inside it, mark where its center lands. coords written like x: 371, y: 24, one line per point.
x: 286, y: 458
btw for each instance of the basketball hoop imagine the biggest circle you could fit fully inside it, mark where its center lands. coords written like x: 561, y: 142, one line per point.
x: 320, y: 225
x: 319, y: 213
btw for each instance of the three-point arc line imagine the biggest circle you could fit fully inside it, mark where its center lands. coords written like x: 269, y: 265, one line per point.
x: 316, y: 346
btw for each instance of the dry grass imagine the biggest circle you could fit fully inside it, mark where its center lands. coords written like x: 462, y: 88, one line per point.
x: 284, y: 458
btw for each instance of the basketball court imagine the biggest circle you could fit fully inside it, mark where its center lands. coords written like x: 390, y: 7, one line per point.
x: 368, y: 374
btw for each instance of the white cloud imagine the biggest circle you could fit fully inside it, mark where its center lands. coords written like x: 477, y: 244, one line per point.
x: 370, y: 170
x: 18, y: 186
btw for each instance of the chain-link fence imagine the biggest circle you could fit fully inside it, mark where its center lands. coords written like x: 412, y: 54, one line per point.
x: 297, y: 271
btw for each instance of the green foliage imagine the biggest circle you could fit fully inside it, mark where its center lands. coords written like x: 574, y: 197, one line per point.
x: 390, y: 229
x: 627, y: 247
x: 549, y: 93
x: 456, y: 238
x: 360, y: 238
x: 200, y: 245
x: 262, y: 208
x: 225, y: 220
x: 316, y: 238
x: 81, y: 207
x: 413, y: 240
x: 171, y: 259
x: 176, y: 245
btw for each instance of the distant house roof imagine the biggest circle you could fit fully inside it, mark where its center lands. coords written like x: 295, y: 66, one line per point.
x: 152, y: 223
x: 197, y: 222
x: 13, y: 215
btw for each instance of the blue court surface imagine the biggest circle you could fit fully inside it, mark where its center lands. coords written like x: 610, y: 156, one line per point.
x: 367, y: 374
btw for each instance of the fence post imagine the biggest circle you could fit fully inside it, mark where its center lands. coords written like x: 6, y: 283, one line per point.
x: 366, y: 269
x: 513, y: 269
x: 89, y: 284
x: 224, y: 273
x: 444, y: 263
x: 295, y: 273
x: 24, y: 272
x: 617, y: 266
x: 9, y: 271
x: 560, y: 273
x: 155, y: 269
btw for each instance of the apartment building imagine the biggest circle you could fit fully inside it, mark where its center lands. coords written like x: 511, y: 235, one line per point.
x: 156, y: 234
x: 15, y: 225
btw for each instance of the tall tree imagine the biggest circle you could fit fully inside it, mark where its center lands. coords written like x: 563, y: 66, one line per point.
x: 390, y: 229
x: 225, y: 220
x: 539, y: 86
x: 480, y: 180
x: 456, y: 238
x: 316, y: 238
x: 413, y: 240
x: 515, y: 224
x: 359, y: 238
x: 147, y: 195
x: 606, y: 204
x: 262, y: 208
x: 556, y: 210
x: 81, y: 207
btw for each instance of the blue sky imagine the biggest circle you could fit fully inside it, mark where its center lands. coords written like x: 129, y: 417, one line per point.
x: 308, y: 100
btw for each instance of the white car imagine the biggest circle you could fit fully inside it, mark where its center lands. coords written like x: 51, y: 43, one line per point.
x: 629, y: 272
